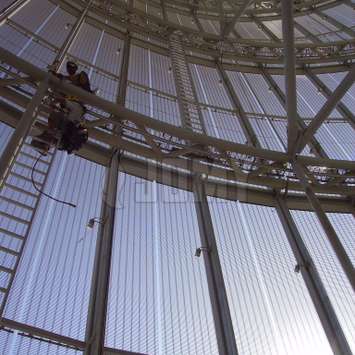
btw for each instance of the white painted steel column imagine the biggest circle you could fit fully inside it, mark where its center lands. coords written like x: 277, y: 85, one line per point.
x: 122, y: 89
x: 333, y: 238
x: 217, y: 290
x: 96, y: 323
x: 21, y: 131
x: 313, y: 281
x: 290, y: 73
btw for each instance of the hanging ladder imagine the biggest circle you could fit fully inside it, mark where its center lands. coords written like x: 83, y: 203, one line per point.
x: 19, y: 201
x: 189, y: 108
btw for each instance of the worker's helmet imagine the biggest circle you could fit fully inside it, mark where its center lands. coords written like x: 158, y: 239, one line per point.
x: 71, y: 68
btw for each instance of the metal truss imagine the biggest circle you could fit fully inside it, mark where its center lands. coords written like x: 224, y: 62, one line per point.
x: 217, y: 158
x: 245, y: 49
x: 188, y: 158
x: 213, y: 10
x: 182, y: 180
x: 217, y: 293
x: 139, y: 23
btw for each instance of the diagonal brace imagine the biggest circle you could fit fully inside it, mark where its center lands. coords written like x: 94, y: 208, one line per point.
x: 238, y: 13
x: 326, y: 110
x: 329, y: 230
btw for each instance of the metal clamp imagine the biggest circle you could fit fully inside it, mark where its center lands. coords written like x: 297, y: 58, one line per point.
x: 200, y: 250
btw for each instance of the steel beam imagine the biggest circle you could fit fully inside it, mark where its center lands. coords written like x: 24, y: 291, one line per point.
x: 248, y: 130
x: 238, y: 13
x: 236, y: 34
x: 315, y: 145
x: 130, y: 165
x: 333, y: 238
x: 59, y: 59
x: 317, y: 292
x: 266, y: 13
x: 346, y: 113
x: 130, y: 5
x: 12, y: 81
x: 251, y: 49
x: 120, y: 112
x: 12, y: 9
x: 40, y: 334
x: 21, y: 131
x: 266, y: 30
x: 217, y: 290
x: 96, y: 322
x: 250, y: 53
x: 317, y: 148
x: 136, y: 117
x: 327, y: 108
x: 277, y: 134
x: 308, y: 34
x: 336, y: 23
x: 122, y: 88
x: 290, y: 74
x: 163, y: 9
x: 197, y: 21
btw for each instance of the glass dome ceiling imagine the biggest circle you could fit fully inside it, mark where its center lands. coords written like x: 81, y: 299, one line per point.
x: 233, y: 137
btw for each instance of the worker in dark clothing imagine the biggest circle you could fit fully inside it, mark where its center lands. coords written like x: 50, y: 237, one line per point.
x: 72, y: 68
x: 65, y: 126
x: 74, y: 132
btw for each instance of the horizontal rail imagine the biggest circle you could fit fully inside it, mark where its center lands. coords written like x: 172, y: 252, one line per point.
x: 121, y: 113
x: 60, y: 340
x: 251, y: 194
x: 243, y: 49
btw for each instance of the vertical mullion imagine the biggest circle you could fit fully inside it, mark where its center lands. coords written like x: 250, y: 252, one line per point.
x: 313, y: 281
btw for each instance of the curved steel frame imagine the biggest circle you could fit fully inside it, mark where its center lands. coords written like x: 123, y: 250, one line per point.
x: 139, y: 25
x: 231, y: 162
x: 174, y: 155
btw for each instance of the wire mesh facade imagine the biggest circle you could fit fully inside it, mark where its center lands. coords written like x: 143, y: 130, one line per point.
x: 227, y: 86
